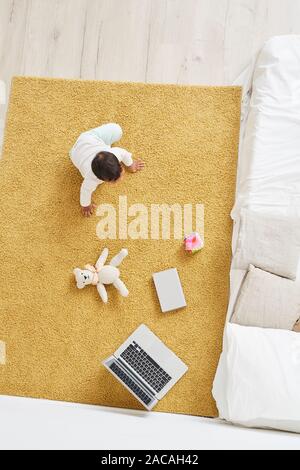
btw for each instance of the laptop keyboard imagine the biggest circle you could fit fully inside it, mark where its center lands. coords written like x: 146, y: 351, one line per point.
x: 130, y: 383
x: 145, y: 366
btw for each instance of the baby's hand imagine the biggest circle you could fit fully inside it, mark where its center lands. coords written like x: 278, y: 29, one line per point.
x: 88, y: 210
x: 137, y: 165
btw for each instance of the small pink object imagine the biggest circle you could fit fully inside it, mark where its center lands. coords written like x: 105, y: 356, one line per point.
x: 193, y: 242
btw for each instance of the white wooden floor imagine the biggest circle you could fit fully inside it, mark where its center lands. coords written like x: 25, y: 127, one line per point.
x: 175, y: 41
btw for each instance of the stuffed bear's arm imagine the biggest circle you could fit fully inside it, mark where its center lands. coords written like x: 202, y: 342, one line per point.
x: 102, y: 292
x: 102, y: 259
x: 117, y: 260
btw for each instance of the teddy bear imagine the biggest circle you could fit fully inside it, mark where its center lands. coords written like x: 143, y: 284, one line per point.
x: 101, y: 275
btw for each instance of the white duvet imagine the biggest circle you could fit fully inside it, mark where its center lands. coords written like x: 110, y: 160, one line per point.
x: 258, y: 378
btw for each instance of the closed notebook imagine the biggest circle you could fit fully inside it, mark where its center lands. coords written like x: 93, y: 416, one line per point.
x: 169, y: 290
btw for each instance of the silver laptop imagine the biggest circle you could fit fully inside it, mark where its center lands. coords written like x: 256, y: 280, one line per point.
x: 146, y: 367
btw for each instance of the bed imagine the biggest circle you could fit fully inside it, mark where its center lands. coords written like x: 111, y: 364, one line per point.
x: 258, y: 377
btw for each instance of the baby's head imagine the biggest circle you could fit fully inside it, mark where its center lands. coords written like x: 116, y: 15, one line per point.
x: 107, y: 167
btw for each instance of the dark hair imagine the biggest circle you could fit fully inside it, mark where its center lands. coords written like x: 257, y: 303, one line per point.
x: 106, y: 166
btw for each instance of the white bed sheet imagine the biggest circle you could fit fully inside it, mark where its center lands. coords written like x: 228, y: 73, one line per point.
x: 269, y: 182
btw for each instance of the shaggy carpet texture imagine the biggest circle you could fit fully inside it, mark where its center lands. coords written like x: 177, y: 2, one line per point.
x: 56, y: 335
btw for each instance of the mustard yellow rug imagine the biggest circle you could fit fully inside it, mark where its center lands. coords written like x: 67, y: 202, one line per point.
x: 53, y: 335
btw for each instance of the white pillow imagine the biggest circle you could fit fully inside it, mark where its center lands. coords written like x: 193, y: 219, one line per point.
x: 262, y: 370
x: 267, y: 301
x: 268, y: 242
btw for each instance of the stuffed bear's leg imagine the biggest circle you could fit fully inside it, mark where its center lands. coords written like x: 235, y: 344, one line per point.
x: 121, y: 287
x: 102, y: 292
x: 102, y: 259
x: 117, y: 260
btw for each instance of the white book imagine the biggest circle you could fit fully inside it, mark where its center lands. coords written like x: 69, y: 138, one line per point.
x: 169, y: 290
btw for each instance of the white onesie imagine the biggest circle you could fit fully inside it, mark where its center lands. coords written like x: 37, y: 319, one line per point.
x: 87, y: 146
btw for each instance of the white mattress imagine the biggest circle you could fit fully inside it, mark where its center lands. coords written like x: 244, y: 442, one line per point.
x: 269, y: 182
x: 269, y: 172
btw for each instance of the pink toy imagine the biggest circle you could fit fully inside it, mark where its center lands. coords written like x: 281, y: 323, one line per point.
x: 193, y: 242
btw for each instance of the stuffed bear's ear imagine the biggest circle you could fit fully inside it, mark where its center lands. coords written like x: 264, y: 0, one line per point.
x: 76, y: 273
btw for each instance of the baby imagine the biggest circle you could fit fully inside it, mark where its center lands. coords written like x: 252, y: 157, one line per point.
x: 98, y: 162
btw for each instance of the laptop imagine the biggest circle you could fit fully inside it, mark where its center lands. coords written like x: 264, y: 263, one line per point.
x: 169, y: 290
x: 145, y: 366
